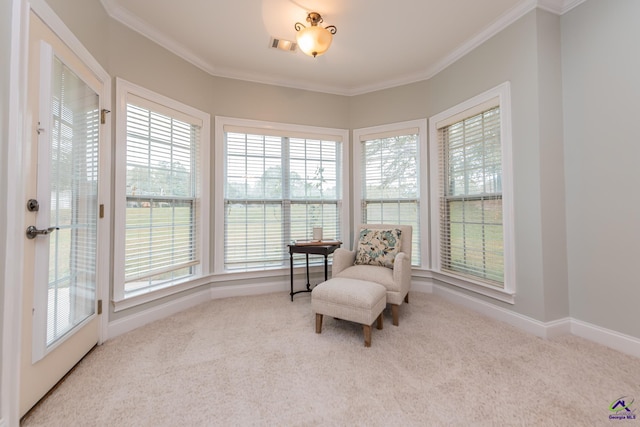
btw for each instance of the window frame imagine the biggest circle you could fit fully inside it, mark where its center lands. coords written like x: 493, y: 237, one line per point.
x: 270, y: 128
x: 390, y: 130
x: 121, y: 300
x: 500, y: 96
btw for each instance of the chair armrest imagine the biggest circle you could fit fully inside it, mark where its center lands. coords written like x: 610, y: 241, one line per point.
x: 342, y: 259
x: 402, y: 272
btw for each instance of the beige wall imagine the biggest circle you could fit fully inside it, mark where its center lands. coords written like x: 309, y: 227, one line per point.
x: 552, y: 190
x: 601, y: 87
x: 126, y: 54
x: 530, y: 60
x: 561, y: 77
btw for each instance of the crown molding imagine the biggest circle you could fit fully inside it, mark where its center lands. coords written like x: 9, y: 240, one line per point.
x: 144, y: 29
x: 558, y: 7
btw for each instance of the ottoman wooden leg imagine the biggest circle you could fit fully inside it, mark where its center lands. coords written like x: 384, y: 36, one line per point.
x: 406, y: 298
x: 367, y: 335
x: 318, y: 323
x: 379, y: 321
x: 394, y: 314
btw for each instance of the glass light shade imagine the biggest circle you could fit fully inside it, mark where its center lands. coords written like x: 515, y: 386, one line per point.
x: 314, y: 40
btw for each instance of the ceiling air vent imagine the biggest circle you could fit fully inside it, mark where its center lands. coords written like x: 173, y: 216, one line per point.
x: 286, y: 45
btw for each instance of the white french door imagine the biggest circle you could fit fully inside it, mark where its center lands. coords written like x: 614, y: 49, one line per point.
x: 67, y: 195
x: 61, y: 322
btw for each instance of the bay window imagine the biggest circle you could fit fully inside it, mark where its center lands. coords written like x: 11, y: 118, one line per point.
x: 390, y: 160
x: 472, y: 197
x: 161, y: 209
x: 277, y: 182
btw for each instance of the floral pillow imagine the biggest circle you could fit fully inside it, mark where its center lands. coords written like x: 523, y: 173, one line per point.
x: 378, y: 246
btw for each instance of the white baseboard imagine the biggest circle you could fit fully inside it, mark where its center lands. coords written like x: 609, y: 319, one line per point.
x: 612, y: 339
x: 129, y: 323
x: 609, y: 338
x: 525, y: 323
x: 556, y: 328
x: 424, y: 287
x: 615, y: 340
x: 228, y: 291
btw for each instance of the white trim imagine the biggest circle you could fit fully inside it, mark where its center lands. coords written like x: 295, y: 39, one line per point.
x: 44, y: 11
x: 389, y: 129
x: 228, y: 291
x: 123, y: 90
x: 13, y: 236
x: 43, y: 194
x: 48, y: 16
x: 105, y: 242
x: 129, y: 323
x: 136, y: 300
x: 568, y: 5
x: 477, y: 287
x: 219, y: 124
x: 547, y: 330
x: 257, y: 274
x: 607, y: 337
x: 122, y: 15
x: 520, y: 321
x: 503, y: 93
x: 559, y: 7
x: 423, y: 287
x: 509, y: 17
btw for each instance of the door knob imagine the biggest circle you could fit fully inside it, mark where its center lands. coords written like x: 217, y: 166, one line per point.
x: 33, y: 232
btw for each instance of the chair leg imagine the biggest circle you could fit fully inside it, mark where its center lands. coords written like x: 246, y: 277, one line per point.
x: 318, y: 323
x: 379, y: 321
x: 394, y: 313
x: 367, y: 335
x: 406, y: 298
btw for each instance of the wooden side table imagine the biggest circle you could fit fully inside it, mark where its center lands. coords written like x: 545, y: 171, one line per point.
x: 324, y: 248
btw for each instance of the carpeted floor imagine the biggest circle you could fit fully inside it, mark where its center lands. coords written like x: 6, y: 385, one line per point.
x: 257, y: 361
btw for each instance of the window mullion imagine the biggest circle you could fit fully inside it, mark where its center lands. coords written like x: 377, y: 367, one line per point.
x: 288, y: 186
x: 286, y: 189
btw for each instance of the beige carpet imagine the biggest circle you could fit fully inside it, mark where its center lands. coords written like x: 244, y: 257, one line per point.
x: 258, y: 361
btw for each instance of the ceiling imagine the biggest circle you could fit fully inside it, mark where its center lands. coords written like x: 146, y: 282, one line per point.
x: 378, y: 44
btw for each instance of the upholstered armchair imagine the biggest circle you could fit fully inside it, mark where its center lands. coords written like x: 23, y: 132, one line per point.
x: 382, y: 255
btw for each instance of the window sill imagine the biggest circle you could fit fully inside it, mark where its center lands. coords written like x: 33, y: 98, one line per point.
x: 231, y: 275
x: 477, y: 287
x: 226, y: 276
x: 156, y: 294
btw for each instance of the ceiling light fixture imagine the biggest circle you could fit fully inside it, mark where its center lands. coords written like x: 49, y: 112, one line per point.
x: 315, y: 39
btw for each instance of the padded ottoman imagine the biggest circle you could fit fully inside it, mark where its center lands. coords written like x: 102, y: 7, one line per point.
x: 350, y: 299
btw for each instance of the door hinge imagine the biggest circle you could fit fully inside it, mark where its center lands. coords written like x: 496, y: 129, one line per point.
x: 101, y: 211
x: 99, y: 306
x: 103, y: 115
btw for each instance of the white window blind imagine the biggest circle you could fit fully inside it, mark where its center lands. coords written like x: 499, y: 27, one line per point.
x: 72, y: 182
x: 162, y: 194
x: 391, y: 181
x: 471, y: 219
x: 277, y: 188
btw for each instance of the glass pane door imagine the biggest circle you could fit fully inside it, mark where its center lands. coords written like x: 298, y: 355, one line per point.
x: 73, y: 192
